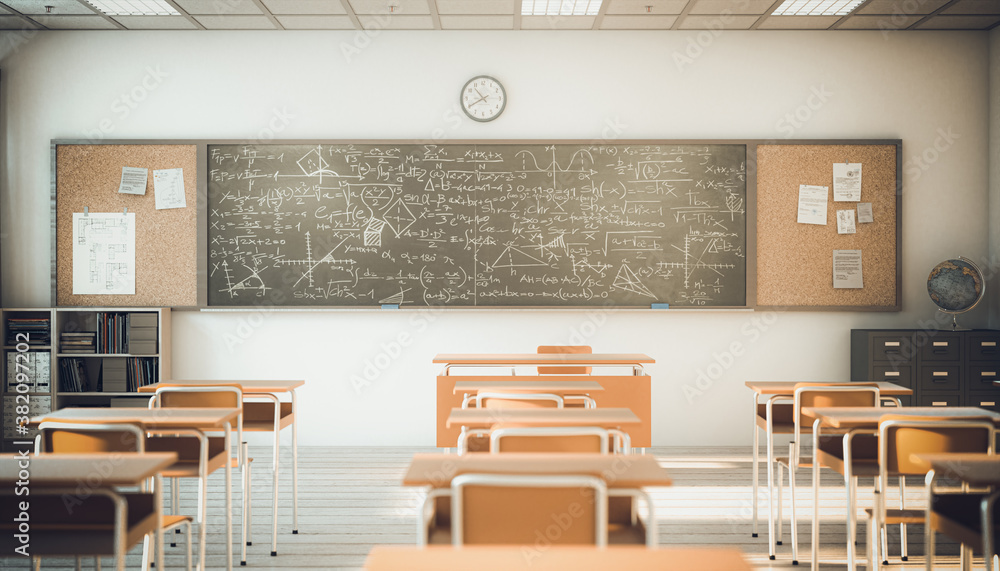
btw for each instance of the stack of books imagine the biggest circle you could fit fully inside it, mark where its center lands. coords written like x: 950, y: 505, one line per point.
x: 111, y: 332
x: 73, y: 376
x: 36, y: 329
x: 139, y: 372
x: 77, y: 342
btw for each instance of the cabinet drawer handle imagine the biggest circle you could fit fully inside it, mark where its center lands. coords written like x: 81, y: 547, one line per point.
x: 939, y: 403
x: 988, y: 344
x: 988, y: 373
x: 940, y: 344
x: 988, y: 403
x: 940, y: 373
x: 891, y: 374
x: 892, y: 343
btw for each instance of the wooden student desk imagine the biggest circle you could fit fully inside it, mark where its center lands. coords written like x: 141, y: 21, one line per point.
x: 160, y: 419
x: 56, y: 475
x: 857, y: 419
x: 259, y: 417
x: 630, y: 391
x: 629, y: 471
x: 783, y: 392
x: 552, y: 558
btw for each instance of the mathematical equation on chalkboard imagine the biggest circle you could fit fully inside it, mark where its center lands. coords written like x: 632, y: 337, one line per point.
x: 562, y: 224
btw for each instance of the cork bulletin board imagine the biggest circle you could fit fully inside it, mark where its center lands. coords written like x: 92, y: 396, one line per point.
x: 166, y: 241
x: 795, y: 261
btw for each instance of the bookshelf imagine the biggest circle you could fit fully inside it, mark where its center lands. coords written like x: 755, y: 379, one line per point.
x: 26, y: 368
x: 102, y: 355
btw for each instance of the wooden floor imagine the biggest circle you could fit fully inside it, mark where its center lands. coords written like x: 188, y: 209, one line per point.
x: 350, y: 499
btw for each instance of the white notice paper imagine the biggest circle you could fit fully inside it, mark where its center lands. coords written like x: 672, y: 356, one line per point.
x: 845, y: 222
x: 812, y: 204
x: 846, y: 182
x: 847, y: 269
x: 865, y: 213
x: 168, y: 185
x: 133, y: 180
x: 103, y: 253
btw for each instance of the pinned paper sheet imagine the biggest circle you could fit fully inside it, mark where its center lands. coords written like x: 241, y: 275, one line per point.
x: 133, y: 180
x: 845, y: 222
x: 812, y: 204
x: 846, y: 182
x: 168, y: 185
x: 865, y: 215
x: 847, y: 269
x: 103, y: 253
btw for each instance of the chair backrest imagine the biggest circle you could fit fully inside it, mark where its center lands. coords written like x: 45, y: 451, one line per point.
x: 513, y: 508
x: 818, y: 395
x: 79, y: 438
x: 567, y: 349
x: 549, y: 439
x: 486, y: 399
x: 901, y: 436
x: 199, y: 396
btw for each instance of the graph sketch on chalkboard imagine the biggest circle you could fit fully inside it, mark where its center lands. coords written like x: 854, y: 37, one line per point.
x: 103, y: 253
x: 529, y: 224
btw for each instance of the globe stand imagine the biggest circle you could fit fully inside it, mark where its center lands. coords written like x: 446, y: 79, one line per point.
x: 954, y: 321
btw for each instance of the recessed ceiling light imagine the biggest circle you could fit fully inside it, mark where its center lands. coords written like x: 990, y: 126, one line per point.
x: 134, y: 7
x: 816, y: 7
x: 560, y: 7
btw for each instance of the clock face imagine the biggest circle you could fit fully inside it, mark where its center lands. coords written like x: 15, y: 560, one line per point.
x: 483, y: 98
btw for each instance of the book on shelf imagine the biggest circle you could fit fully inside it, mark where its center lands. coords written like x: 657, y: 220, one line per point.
x: 73, y: 376
x: 36, y: 329
x: 78, y: 342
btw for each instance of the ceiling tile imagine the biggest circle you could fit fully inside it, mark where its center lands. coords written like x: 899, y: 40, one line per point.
x: 885, y: 22
x: 557, y: 22
x: 155, y: 22
x: 903, y: 7
x: 959, y: 23
x: 59, y: 7
x: 798, y: 22
x: 449, y: 22
x: 74, y: 22
x: 734, y: 7
x: 396, y: 22
x: 725, y: 22
x: 644, y: 22
x: 477, y: 7
x: 639, y: 6
x: 382, y: 6
x: 15, y: 23
x: 218, y: 7
x: 304, y: 7
x: 973, y: 7
x: 236, y: 22
x: 297, y: 22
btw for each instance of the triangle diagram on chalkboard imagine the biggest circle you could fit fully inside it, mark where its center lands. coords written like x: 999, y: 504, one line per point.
x: 628, y: 281
x: 516, y: 258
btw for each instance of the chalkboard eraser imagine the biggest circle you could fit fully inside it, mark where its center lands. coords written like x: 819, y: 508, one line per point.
x: 660, y: 306
x: 390, y: 306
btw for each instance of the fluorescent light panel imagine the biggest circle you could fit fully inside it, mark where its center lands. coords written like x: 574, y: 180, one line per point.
x: 560, y: 7
x: 816, y: 7
x: 134, y: 7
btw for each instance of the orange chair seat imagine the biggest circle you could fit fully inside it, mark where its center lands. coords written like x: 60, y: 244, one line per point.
x: 894, y: 517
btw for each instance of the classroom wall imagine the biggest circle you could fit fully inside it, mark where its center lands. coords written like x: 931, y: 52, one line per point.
x: 370, y: 379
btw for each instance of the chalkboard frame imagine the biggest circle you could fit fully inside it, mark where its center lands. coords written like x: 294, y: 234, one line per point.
x: 751, y: 144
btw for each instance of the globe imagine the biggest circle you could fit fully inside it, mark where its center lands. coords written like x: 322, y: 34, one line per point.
x: 956, y: 286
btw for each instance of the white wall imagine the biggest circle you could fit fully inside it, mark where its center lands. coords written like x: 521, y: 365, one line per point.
x: 915, y: 86
x: 994, y: 168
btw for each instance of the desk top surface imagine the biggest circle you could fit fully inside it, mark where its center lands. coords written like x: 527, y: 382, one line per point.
x: 540, y: 384
x: 200, y: 418
x: 976, y: 469
x: 552, y: 558
x: 788, y: 387
x: 861, y: 417
x: 619, y: 471
x: 485, y: 417
x: 557, y: 359
x: 68, y: 470
x: 248, y: 387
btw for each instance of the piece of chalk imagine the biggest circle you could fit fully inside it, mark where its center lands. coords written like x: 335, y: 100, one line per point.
x: 390, y: 306
x: 660, y: 306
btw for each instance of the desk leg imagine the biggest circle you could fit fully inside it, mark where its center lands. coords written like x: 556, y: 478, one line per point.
x: 770, y: 478
x: 756, y: 462
x: 229, y: 499
x: 158, y: 503
x: 295, y: 467
x: 851, y: 508
x: 815, y: 475
x: 274, y: 482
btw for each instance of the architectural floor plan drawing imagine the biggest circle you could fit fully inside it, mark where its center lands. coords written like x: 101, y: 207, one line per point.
x: 103, y: 253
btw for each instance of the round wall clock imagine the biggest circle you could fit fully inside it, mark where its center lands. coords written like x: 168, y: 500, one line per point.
x: 483, y: 98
